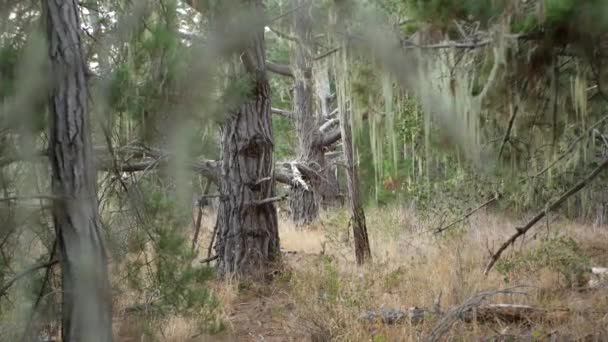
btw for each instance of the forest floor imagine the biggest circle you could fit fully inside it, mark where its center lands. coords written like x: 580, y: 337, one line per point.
x: 320, y: 295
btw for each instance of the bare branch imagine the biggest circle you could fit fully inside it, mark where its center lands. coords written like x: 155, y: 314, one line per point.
x: 280, y: 69
x: 207, y: 168
x: 270, y: 200
x: 469, y: 214
x: 523, y: 230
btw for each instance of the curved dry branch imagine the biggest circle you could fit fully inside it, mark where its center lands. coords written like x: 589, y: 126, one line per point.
x: 331, y: 137
x: 280, y: 69
x: 523, y: 230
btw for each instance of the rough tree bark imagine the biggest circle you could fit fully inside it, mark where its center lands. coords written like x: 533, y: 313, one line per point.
x: 86, y: 312
x: 248, y: 239
x: 357, y: 221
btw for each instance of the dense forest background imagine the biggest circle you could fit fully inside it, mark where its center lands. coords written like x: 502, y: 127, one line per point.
x: 317, y: 170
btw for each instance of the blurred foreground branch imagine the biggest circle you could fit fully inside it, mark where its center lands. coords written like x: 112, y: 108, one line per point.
x: 24, y: 273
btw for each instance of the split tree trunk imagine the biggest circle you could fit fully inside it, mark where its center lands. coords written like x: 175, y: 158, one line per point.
x: 304, y: 202
x: 312, y: 142
x: 248, y: 239
x: 86, y: 311
x: 330, y: 188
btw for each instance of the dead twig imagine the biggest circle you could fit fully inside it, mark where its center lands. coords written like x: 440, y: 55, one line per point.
x: 469, y: 214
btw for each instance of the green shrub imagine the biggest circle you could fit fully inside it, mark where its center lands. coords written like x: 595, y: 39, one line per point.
x: 559, y: 254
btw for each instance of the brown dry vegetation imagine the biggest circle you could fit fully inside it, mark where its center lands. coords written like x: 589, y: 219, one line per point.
x: 319, y: 292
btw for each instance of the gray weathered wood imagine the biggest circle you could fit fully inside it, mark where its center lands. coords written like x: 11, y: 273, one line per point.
x: 86, y: 311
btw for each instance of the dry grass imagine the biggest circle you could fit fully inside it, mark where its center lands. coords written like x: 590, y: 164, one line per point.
x: 322, y: 293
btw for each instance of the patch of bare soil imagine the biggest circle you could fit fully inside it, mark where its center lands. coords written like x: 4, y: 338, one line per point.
x: 264, y: 313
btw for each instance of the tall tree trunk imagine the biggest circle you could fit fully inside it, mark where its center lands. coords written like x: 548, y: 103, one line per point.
x: 362, y: 250
x: 357, y: 221
x: 86, y: 312
x: 304, y: 202
x: 248, y: 239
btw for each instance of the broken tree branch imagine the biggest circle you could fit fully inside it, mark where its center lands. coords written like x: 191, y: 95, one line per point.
x: 282, y: 34
x: 282, y: 112
x: 331, y: 137
x: 508, y: 132
x: 270, y: 200
x: 445, y: 324
x: 522, y: 230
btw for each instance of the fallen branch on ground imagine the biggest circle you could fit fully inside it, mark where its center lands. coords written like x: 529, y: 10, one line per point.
x: 445, y: 324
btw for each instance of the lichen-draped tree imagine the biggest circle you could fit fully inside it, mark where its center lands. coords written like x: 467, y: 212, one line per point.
x: 86, y: 310
x: 304, y: 201
x: 247, y: 227
x: 312, y: 142
x: 330, y: 191
x: 357, y: 219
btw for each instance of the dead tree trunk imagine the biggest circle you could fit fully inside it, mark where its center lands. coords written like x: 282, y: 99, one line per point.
x: 248, y: 240
x: 86, y: 312
x: 312, y: 141
x: 330, y: 188
x: 304, y: 202
x: 362, y: 250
